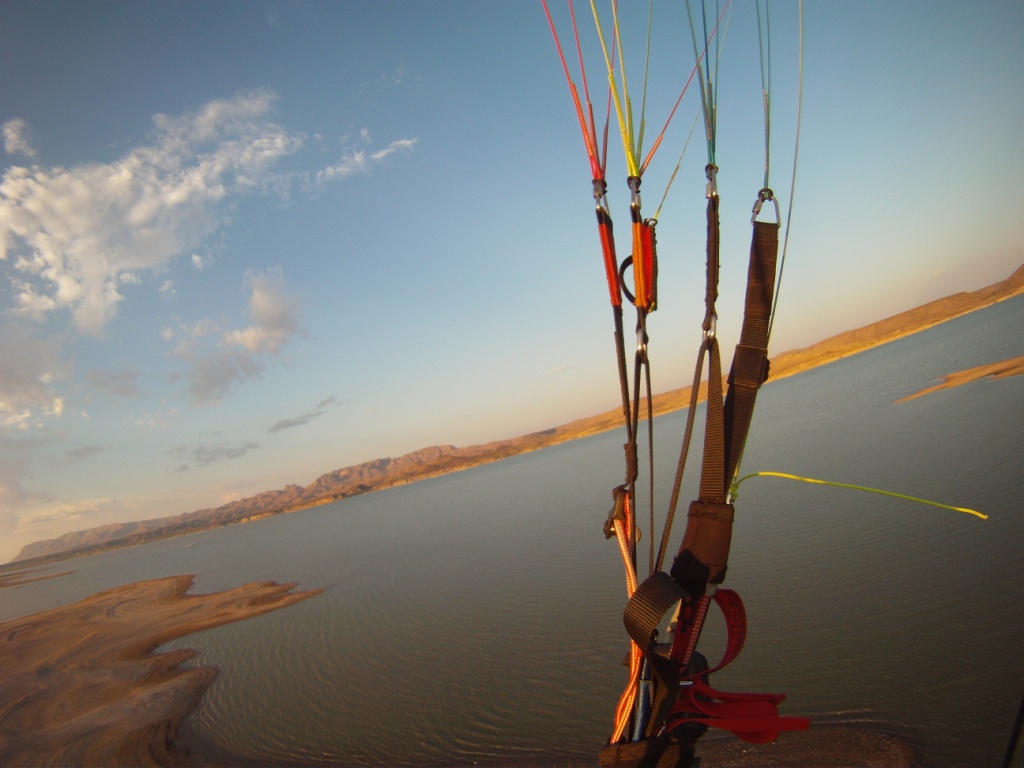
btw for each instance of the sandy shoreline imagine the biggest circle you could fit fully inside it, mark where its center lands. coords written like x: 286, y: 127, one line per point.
x: 1001, y: 370
x: 83, y: 686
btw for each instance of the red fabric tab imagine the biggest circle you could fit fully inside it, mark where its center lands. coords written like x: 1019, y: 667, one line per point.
x: 691, y: 620
x: 753, y: 717
x: 735, y: 623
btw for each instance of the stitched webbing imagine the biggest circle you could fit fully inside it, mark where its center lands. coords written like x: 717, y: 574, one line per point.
x: 712, y: 487
x: 750, y: 363
x: 655, y: 597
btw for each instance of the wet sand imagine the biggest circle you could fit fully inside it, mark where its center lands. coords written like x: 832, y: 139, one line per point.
x: 1001, y: 370
x: 823, y: 746
x: 82, y: 685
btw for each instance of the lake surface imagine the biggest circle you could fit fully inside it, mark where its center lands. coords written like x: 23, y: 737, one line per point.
x: 475, y: 618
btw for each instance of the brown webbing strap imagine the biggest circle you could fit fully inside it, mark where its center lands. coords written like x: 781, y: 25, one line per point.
x: 684, y: 452
x: 750, y: 363
x: 713, y: 467
x: 711, y: 285
x: 659, y: 593
x: 653, y: 598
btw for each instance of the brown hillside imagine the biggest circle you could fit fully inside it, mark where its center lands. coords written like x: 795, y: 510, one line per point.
x: 436, y: 460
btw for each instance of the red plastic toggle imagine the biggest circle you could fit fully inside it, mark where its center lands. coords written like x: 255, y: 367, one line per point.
x: 753, y: 717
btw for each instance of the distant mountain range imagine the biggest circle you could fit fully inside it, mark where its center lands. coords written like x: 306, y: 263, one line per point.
x: 437, y: 460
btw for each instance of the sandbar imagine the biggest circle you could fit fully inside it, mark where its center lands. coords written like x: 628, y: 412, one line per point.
x: 82, y: 685
x: 1001, y: 370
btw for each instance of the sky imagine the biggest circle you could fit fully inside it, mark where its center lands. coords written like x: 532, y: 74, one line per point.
x: 246, y: 243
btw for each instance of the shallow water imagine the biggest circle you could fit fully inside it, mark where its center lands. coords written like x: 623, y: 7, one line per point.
x: 475, y: 618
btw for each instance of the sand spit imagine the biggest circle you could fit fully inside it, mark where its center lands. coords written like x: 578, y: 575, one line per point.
x: 823, y: 746
x: 82, y: 686
x: 1001, y: 370
x: 25, y: 577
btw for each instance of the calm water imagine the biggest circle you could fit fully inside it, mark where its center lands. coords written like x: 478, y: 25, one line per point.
x: 476, y: 618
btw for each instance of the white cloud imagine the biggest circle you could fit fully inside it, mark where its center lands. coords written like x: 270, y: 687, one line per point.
x: 272, y: 312
x: 390, y: 149
x: 273, y: 320
x: 360, y: 161
x: 212, y: 375
x: 16, y: 138
x: 79, y: 235
x: 82, y: 232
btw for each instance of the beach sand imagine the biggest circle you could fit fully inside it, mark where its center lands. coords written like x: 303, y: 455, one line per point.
x: 82, y: 685
x: 823, y: 746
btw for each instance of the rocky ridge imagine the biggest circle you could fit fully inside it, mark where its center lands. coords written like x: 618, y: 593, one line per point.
x: 440, y: 459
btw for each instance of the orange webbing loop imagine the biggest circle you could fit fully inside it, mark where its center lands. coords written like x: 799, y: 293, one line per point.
x: 611, y: 262
x: 645, y: 262
x: 621, y: 523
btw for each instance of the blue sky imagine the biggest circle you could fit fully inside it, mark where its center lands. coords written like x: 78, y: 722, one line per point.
x: 245, y: 243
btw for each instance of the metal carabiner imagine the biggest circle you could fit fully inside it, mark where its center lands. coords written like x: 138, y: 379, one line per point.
x: 765, y: 195
x: 634, y: 188
x: 711, y: 171
x: 712, y: 330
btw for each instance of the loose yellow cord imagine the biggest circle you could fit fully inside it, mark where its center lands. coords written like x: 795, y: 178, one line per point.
x: 787, y: 476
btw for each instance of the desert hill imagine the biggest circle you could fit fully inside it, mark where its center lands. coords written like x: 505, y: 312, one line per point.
x: 436, y: 460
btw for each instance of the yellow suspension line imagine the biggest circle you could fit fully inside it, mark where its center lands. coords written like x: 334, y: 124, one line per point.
x: 625, y: 126
x: 787, y: 476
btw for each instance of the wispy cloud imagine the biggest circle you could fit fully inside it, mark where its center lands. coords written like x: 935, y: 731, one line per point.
x: 237, y: 355
x: 305, y: 418
x: 29, y: 366
x: 78, y: 236
x: 116, y: 383
x: 15, y: 463
x: 76, y: 455
x: 16, y: 141
x: 214, y: 374
x: 360, y: 160
x: 204, y: 455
